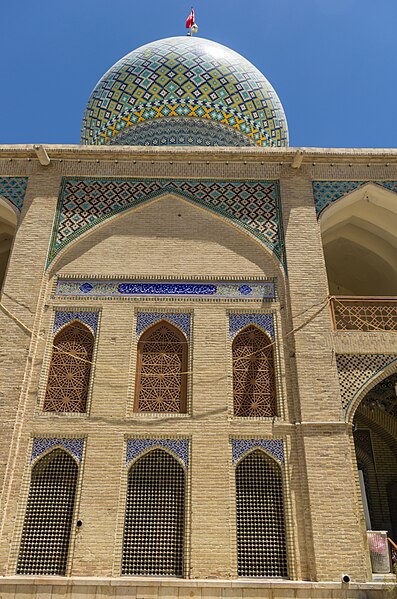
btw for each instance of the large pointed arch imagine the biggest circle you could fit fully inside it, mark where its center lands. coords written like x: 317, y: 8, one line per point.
x: 46, y: 533
x: 153, y: 540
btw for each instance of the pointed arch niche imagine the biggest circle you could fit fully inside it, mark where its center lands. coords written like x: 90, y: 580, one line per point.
x: 8, y: 227
x: 359, y: 233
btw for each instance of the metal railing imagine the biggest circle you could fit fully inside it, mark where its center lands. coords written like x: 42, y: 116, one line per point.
x: 364, y: 313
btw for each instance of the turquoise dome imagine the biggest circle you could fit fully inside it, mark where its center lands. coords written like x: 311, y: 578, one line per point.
x: 184, y: 91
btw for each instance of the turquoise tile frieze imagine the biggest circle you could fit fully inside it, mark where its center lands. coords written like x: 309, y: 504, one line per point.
x: 263, y: 290
x: 13, y: 189
x: 327, y: 192
x: 254, y: 206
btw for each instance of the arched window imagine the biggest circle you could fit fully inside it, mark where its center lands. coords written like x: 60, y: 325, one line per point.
x: 154, y: 519
x: 49, y: 512
x: 254, y: 388
x: 261, y: 548
x: 161, y: 381
x: 69, y: 377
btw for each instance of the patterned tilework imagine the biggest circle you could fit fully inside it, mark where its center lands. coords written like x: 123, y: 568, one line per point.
x: 178, y: 132
x: 184, y: 77
x: 146, y: 319
x: 274, y: 446
x: 180, y: 447
x: 88, y: 318
x: 40, y: 445
x: 327, y: 192
x: 13, y: 189
x: 239, y: 321
x: 135, y: 289
x: 253, y: 205
x: 356, y: 370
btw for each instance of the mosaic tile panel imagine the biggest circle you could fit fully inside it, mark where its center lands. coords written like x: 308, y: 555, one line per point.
x: 253, y: 205
x: 241, y: 446
x: 88, y: 318
x: 13, y: 189
x: 176, y: 131
x: 180, y: 447
x: 356, y: 370
x: 184, y: 77
x: 40, y: 445
x: 203, y: 290
x: 239, y: 321
x: 146, y: 319
x: 327, y: 192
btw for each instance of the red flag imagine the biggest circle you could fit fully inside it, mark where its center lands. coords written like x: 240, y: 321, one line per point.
x: 190, y: 20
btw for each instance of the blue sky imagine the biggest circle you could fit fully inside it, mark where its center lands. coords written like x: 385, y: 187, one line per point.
x: 332, y: 62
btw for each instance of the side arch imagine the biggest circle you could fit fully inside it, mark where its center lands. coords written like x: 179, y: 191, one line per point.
x: 70, y: 369
x: 254, y: 376
x: 45, y: 540
x: 261, y: 536
x: 161, y: 371
x: 154, y: 525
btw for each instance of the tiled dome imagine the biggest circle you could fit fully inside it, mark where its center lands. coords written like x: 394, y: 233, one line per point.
x: 184, y: 91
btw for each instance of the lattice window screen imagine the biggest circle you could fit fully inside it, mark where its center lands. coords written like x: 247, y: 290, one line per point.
x: 48, y: 519
x: 69, y: 376
x: 254, y: 386
x: 261, y: 547
x: 161, y: 385
x: 154, y: 520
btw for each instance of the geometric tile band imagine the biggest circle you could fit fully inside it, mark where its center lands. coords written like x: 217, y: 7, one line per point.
x: 189, y: 289
x: 88, y: 318
x: 239, y: 321
x: 355, y: 370
x: 40, y: 445
x: 146, y: 319
x: 274, y: 446
x: 180, y: 447
x: 327, y: 192
x: 83, y: 203
x: 13, y: 189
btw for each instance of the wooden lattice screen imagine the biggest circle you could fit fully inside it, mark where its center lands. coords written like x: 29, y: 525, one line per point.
x: 49, y: 512
x: 154, y: 519
x: 161, y: 381
x: 261, y: 546
x: 69, y: 376
x: 254, y: 386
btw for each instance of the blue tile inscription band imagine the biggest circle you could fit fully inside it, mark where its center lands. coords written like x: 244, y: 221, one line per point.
x: 134, y: 289
x: 180, y: 447
x: 273, y: 446
x: 41, y: 444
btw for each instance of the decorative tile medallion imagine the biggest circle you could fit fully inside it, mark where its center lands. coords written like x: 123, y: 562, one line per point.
x: 356, y: 370
x: 146, y: 319
x: 88, y: 318
x: 13, y: 189
x: 189, y: 78
x: 241, y: 446
x: 327, y: 192
x: 240, y: 321
x: 180, y: 447
x: 252, y: 205
x: 40, y: 445
x: 140, y: 289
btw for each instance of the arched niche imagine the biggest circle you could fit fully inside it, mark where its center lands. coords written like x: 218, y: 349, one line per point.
x: 359, y: 235
x: 8, y: 226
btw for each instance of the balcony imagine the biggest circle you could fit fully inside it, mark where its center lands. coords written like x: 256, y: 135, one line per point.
x: 364, y: 313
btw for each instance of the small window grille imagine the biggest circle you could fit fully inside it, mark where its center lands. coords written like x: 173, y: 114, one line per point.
x: 261, y: 547
x: 254, y: 387
x: 48, y: 519
x: 154, y: 521
x: 69, y: 376
x: 161, y: 384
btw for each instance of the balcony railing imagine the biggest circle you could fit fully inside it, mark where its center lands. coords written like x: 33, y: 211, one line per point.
x: 364, y: 313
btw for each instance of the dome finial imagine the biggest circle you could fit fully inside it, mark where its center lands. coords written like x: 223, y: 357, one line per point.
x: 191, y: 23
